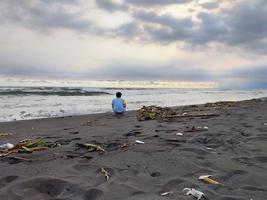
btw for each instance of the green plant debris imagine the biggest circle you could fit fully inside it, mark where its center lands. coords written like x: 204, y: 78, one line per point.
x: 94, y: 147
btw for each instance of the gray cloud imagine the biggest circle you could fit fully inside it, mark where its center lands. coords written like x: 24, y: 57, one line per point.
x: 148, y: 3
x: 42, y: 15
x: 111, y: 6
x: 244, y: 25
x: 145, y: 72
x: 210, y: 5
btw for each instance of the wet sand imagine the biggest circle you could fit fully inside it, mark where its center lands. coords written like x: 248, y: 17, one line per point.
x: 233, y: 150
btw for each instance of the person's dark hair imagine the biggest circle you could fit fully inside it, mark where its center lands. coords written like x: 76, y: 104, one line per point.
x: 118, y: 94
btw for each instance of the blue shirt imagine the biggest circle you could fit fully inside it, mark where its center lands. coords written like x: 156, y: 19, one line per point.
x: 118, y: 105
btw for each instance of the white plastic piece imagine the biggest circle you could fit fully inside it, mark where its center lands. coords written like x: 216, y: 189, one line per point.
x: 166, y: 193
x: 195, y: 193
x: 179, y: 134
x: 139, y: 142
x: 7, y: 146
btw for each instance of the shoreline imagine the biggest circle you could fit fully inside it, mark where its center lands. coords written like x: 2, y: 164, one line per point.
x: 110, y: 112
x: 232, y: 148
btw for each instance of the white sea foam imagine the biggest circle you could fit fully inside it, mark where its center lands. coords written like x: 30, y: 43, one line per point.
x: 21, y: 103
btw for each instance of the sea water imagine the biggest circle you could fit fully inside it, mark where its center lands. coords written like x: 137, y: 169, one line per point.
x: 32, y: 102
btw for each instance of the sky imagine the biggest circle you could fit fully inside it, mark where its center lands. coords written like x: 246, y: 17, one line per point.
x: 214, y: 43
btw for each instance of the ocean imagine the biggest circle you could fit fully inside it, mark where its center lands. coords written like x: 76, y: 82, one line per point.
x: 33, y: 102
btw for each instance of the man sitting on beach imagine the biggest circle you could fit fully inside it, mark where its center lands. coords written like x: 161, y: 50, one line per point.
x: 118, y: 104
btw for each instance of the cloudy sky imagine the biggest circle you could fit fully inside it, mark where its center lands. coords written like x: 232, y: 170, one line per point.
x: 217, y: 42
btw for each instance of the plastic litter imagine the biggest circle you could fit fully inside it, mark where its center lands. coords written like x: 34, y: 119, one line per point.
x: 139, y: 142
x: 5, y: 134
x: 7, y: 146
x: 179, y: 134
x: 166, y: 193
x: 195, y: 193
x: 207, y: 179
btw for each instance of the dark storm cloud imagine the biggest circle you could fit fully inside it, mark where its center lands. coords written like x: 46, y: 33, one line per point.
x: 244, y: 25
x: 149, y: 3
x: 111, y: 6
x: 42, y: 15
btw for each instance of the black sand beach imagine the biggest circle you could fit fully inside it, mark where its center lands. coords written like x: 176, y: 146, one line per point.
x: 232, y: 148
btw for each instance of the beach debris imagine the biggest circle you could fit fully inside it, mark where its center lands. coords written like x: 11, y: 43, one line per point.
x: 166, y: 193
x: 93, y: 147
x: 207, y: 179
x: 2, y: 155
x: 6, y: 146
x: 105, y: 173
x: 139, y: 142
x: 17, y: 158
x: 195, y: 193
x: 197, y: 128
x: 22, y: 143
x: 36, y: 144
x: 24, y: 146
x: 221, y: 104
x: 135, y: 133
x: 88, y: 123
x: 5, y: 134
x: 154, y: 112
x: 179, y: 134
x: 265, y: 124
x: 30, y: 150
x: 123, y: 146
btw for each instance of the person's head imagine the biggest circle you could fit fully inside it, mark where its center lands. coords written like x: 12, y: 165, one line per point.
x: 118, y: 94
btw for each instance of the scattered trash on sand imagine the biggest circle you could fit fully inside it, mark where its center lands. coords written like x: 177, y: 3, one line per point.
x: 166, y: 193
x: 139, y: 142
x: 195, y: 193
x: 105, y: 173
x: 6, y: 146
x: 24, y: 146
x: 93, y: 147
x: 207, y: 179
x: 179, y: 134
x: 155, y: 112
x: 5, y: 134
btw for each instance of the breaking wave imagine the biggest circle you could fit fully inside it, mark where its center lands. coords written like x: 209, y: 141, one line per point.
x: 50, y: 91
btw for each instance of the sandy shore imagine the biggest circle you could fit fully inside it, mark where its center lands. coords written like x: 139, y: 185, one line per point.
x: 233, y: 150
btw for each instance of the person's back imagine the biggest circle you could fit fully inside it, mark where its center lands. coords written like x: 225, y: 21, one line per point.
x: 118, y: 104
